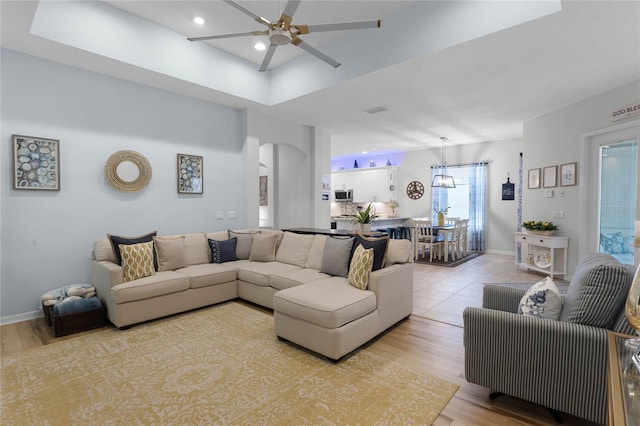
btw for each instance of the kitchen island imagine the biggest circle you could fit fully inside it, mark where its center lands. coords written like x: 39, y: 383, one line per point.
x: 346, y: 222
x: 335, y: 232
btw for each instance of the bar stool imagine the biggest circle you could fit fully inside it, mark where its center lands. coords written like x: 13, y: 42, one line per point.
x: 393, y: 232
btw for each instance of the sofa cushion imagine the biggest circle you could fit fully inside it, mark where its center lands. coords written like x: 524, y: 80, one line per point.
x: 379, y: 246
x: 259, y: 273
x: 218, y: 235
x: 137, y: 260
x: 208, y: 274
x: 144, y: 288
x: 294, y: 249
x: 314, y: 260
x: 223, y: 251
x: 263, y: 247
x: 118, y: 240
x: 360, y: 267
x: 601, y: 296
x: 398, y: 251
x: 282, y: 280
x: 589, y: 262
x: 102, y: 250
x: 243, y: 246
x: 336, y: 256
x: 329, y: 303
x: 170, y: 253
x: 542, y: 300
x: 196, y: 248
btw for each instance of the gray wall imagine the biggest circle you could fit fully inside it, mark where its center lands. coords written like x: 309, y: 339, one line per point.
x: 560, y: 137
x: 47, y: 236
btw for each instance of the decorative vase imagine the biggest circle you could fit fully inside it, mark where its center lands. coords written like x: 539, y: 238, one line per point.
x: 535, y: 232
x: 440, y: 219
x: 355, y: 164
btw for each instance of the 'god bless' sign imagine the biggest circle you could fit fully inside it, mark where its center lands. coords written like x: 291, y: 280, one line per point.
x: 626, y: 112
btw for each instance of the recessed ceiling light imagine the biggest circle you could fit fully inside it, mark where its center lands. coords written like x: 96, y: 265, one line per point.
x: 199, y: 20
x: 259, y: 46
x: 365, y: 152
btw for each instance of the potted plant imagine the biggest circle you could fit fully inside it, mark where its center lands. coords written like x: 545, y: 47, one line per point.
x: 538, y: 227
x: 440, y: 212
x: 365, y: 217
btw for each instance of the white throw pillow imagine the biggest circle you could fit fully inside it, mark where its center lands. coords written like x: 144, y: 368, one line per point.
x: 542, y: 300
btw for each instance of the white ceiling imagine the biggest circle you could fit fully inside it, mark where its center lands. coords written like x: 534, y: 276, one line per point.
x: 473, y: 90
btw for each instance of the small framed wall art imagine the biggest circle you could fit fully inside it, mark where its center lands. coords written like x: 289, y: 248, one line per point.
x: 190, y: 174
x: 568, y: 174
x: 36, y: 163
x: 533, y: 179
x: 550, y: 177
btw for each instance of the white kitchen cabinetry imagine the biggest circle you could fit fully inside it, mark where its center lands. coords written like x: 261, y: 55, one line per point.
x: 542, y: 253
x: 369, y: 185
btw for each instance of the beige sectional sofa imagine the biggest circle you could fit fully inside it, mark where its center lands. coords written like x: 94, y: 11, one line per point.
x: 275, y: 269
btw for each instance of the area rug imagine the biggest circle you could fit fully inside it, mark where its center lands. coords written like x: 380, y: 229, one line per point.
x: 450, y: 263
x: 219, y: 365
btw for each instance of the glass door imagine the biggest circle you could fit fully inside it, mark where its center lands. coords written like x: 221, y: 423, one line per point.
x: 618, y: 181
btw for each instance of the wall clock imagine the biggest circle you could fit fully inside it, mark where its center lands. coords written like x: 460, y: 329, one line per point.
x: 415, y: 190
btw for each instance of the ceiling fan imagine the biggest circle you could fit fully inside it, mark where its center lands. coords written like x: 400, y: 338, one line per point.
x: 282, y: 32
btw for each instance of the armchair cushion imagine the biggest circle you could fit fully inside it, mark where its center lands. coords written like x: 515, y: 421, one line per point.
x: 542, y: 300
x: 601, y: 296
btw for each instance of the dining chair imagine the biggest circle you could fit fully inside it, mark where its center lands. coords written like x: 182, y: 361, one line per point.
x: 450, y: 220
x: 425, y: 239
x: 458, y: 243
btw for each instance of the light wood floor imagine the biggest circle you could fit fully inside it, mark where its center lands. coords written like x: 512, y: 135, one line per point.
x: 429, y: 342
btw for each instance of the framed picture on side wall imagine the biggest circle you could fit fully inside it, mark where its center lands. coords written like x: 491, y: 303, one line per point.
x: 568, y: 174
x: 533, y: 179
x: 189, y: 174
x: 550, y: 177
x: 36, y: 163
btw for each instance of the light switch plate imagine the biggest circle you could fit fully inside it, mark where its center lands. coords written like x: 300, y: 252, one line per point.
x: 231, y: 214
x: 548, y: 193
x: 219, y: 215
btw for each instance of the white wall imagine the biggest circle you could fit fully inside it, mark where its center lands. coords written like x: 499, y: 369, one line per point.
x: 559, y: 137
x: 502, y: 157
x: 47, y: 236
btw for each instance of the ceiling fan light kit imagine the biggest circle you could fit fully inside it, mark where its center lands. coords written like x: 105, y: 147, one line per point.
x: 281, y: 32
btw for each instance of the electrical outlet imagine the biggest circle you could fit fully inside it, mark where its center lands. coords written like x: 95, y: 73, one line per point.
x: 231, y: 214
x: 548, y: 193
x: 558, y: 214
x: 219, y: 215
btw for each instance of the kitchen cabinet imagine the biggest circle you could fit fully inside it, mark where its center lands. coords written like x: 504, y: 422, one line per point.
x: 369, y: 185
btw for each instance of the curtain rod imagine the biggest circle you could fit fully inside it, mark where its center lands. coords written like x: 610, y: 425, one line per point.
x: 462, y: 165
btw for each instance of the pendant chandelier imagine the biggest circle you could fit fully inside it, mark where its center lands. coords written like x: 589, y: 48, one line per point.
x: 443, y: 180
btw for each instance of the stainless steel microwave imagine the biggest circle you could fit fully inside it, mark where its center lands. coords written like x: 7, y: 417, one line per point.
x: 343, y: 195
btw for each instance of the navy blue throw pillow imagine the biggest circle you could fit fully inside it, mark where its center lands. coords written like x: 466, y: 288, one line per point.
x: 379, y: 246
x: 117, y: 240
x: 223, y: 250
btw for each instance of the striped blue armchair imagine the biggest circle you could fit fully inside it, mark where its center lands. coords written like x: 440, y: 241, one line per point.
x: 559, y: 364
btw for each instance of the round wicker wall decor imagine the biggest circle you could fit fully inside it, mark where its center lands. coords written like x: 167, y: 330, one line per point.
x: 123, y: 183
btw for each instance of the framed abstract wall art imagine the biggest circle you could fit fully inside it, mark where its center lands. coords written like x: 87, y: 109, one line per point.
x: 533, y: 179
x: 568, y: 174
x: 36, y: 163
x: 550, y: 177
x: 190, y: 174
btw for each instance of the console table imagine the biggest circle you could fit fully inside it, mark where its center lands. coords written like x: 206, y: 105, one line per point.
x: 542, y: 253
x: 623, y: 384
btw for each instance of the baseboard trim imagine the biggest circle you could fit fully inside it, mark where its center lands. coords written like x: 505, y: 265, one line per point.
x: 26, y: 316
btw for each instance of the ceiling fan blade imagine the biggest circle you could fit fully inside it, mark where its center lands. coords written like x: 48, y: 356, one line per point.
x: 306, y: 29
x: 289, y: 11
x: 252, y: 33
x: 315, y: 52
x: 267, y: 57
x: 246, y: 11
